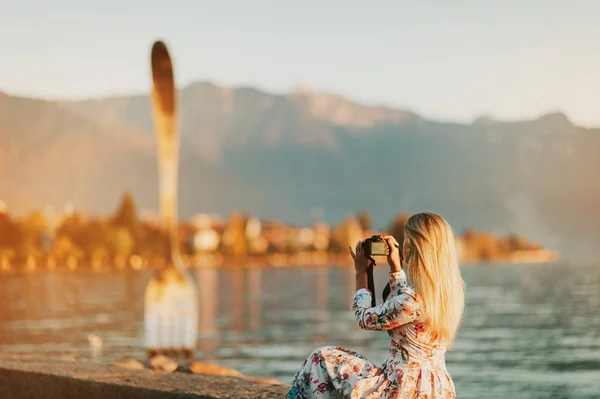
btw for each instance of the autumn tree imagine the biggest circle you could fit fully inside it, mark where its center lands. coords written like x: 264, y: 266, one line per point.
x: 518, y: 243
x: 126, y: 216
x: 364, y: 219
x: 96, y: 239
x: 63, y: 248
x: 396, y: 228
x: 32, y: 229
x: 153, y: 241
x: 122, y: 243
x: 70, y: 238
x: 346, y: 234
x: 234, y: 237
x: 9, y: 232
x: 487, y: 246
x: 72, y: 226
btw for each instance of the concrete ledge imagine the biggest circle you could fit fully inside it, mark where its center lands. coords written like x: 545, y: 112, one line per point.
x: 36, y: 377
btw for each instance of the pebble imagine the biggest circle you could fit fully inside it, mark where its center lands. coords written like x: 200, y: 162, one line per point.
x: 131, y: 364
x: 213, y: 369
x: 163, y: 363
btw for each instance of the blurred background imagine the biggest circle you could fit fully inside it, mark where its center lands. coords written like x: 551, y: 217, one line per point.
x: 305, y: 127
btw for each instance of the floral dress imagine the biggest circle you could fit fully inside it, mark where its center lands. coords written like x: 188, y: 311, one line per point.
x: 415, y: 366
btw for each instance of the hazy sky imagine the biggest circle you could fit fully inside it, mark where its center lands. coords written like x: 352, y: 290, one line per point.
x: 447, y: 59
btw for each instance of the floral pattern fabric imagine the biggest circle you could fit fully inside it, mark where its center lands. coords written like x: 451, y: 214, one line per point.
x: 415, y: 366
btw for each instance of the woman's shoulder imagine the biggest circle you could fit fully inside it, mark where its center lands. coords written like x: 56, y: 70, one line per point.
x: 408, y: 300
x: 399, y: 284
x: 405, y: 290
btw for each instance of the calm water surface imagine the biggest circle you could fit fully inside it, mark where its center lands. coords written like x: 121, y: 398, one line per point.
x: 529, y: 331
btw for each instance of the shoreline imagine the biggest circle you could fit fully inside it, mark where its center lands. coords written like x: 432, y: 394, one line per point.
x: 254, y: 265
x: 278, y: 261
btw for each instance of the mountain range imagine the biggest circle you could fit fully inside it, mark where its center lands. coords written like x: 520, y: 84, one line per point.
x: 284, y: 156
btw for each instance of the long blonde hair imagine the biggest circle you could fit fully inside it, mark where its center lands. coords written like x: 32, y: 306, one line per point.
x: 434, y: 273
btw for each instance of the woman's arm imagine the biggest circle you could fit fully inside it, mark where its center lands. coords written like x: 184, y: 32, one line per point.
x: 399, y: 283
x: 399, y: 309
x: 361, y: 281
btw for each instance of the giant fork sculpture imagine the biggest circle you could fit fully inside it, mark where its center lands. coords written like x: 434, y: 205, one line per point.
x: 171, y: 297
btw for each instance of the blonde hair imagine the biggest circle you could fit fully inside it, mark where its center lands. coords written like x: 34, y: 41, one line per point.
x: 434, y: 273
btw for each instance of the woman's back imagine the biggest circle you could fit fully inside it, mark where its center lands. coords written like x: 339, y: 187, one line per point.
x: 421, y: 315
x: 416, y: 362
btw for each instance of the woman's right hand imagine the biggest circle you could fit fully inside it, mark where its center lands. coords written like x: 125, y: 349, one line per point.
x: 393, y: 257
x: 361, y: 262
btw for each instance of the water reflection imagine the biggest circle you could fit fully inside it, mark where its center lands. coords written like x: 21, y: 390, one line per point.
x: 254, y: 299
x: 526, y: 329
x: 237, y: 294
x: 131, y: 292
x: 208, y: 286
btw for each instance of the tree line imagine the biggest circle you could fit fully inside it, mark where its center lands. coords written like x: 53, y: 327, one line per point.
x: 89, y: 240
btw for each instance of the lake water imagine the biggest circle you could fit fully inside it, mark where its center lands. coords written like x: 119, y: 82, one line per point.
x: 529, y: 331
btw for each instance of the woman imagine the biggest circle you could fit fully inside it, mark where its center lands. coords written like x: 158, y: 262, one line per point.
x: 422, y: 315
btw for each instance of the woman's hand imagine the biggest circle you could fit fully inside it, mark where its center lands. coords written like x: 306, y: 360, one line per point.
x: 361, y: 262
x: 394, y: 259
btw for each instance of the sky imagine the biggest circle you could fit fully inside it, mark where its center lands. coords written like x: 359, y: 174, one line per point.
x: 448, y: 60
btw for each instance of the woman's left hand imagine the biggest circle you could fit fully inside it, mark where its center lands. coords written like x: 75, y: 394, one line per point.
x: 361, y: 262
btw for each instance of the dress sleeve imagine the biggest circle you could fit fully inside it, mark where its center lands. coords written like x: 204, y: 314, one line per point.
x: 400, y: 308
x: 399, y: 283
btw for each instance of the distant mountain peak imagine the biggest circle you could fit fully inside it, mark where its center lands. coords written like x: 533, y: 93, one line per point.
x: 552, y: 121
x: 484, y: 120
x: 556, y: 117
x: 302, y: 89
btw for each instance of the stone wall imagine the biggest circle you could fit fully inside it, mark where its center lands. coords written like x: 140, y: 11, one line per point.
x: 30, y: 376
